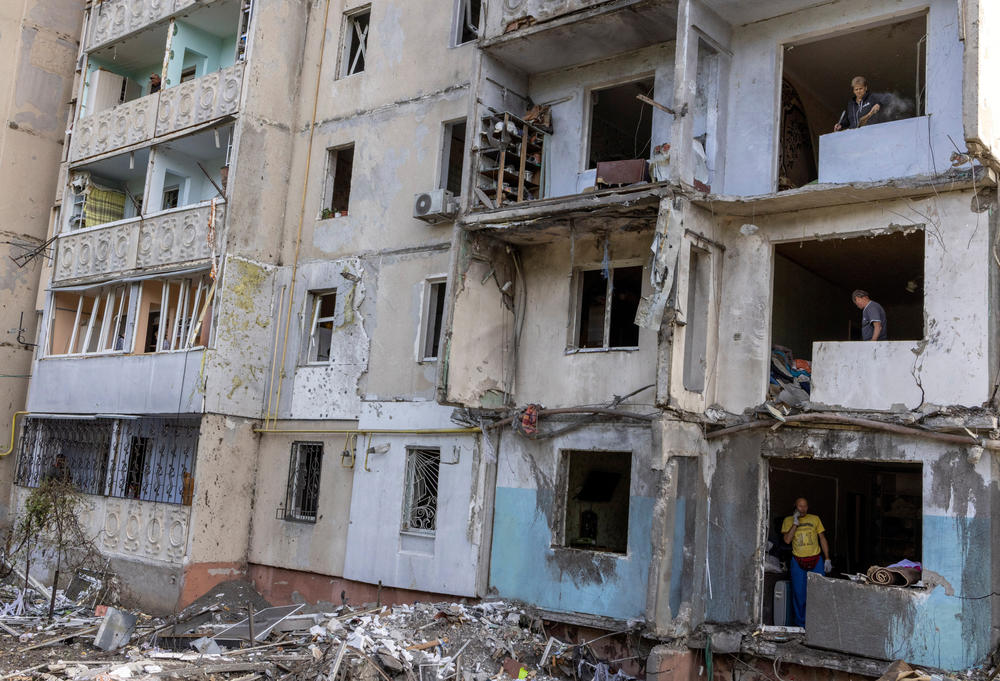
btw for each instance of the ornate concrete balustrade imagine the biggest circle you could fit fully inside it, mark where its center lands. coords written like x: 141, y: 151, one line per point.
x: 170, y: 238
x: 197, y: 101
x: 113, y: 19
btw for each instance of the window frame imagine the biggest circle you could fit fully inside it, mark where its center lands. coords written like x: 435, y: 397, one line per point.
x: 349, y: 32
x: 429, y: 318
x: 407, y: 524
x: 303, y: 480
x: 316, y: 297
x: 459, y: 23
x: 444, y: 170
x: 576, y: 311
x: 559, y: 535
x: 328, y: 209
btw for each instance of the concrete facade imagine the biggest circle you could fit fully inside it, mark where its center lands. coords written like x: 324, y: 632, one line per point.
x: 582, y: 397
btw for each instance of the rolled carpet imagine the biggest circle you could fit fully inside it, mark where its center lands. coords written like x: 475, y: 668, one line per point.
x: 893, y: 576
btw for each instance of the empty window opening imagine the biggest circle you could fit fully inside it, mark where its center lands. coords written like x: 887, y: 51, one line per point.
x: 189, y: 73
x: 171, y: 196
x: 596, y: 500
x: 90, y: 322
x: 421, y: 490
x: 302, y: 492
x: 871, y: 512
x: 468, y: 20
x: 705, y: 113
x: 148, y: 459
x: 608, y: 303
x: 355, y: 42
x: 816, y: 88
x: 621, y: 126
x: 433, y: 318
x: 699, y: 283
x: 813, y: 282
x: 322, y: 321
x: 340, y: 168
x: 453, y: 157
x: 190, y: 170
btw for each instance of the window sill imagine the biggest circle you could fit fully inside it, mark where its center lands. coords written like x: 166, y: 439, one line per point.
x: 427, y: 534
x: 575, y: 351
x: 576, y: 549
x: 304, y: 520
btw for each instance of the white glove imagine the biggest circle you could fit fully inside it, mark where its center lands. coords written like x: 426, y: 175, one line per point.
x: 795, y: 518
x: 827, y: 566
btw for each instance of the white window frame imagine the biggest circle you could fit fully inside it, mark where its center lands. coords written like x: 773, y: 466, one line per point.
x: 332, y: 158
x: 350, y: 31
x: 112, y: 304
x: 313, y: 320
x: 428, y: 308
x: 461, y: 20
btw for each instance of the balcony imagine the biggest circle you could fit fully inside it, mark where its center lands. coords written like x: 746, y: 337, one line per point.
x: 171, y: 238
x: 903, y: 150
x: 879, y: 376
x: 210, y: 97
x: 114, y: 19
x: 532, y: 37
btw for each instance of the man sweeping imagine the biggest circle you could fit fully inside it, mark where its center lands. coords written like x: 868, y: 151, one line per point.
x: 805, y: 532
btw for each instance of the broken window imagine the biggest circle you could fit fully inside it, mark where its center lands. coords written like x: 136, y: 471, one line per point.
x: 699, y: 286
x: 872, y: 514
x: 816, y: 87
x: 339, y: 169
x: 453, y: 157
x: 302, y: 492
x: 322, y: 315
x: 171, y: 196
x: 621, y: 126
x: 596, y: 485
x: 813, y: 282
x: 194, y: 168
x: 189, y: 73
x: 355, y: 41
x: 421, y: 490
x: 148, y: 458
x: 608, y: 300
x: 467, y: 28
x: 433, y: 317
x: 174, y: 314
x: 90, y: 322
x: 107, y: 190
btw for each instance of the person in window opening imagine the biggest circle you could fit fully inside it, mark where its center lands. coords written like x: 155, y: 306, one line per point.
x: 861, y: 109
x: 805, y: 532
x: 59, y: 470
x: 873, y: 324
x: 154, y: 83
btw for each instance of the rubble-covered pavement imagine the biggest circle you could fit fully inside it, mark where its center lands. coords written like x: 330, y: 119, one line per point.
x: 210, y: 639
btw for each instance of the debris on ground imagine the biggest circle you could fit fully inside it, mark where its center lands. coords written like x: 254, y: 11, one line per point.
x: 233, y: 634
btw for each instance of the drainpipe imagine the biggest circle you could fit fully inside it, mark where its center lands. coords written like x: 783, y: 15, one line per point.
x: 13, y: 429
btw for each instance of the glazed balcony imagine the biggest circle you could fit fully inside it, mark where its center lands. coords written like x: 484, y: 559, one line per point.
x: 164, y: 240
x: 114, y: 19
x: 143, y: 120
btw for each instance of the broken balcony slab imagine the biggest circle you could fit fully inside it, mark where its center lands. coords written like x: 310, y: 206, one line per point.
x: 634, y: 207
x: 582, y: 33
x: 797, y: 653
x: 825, y: 195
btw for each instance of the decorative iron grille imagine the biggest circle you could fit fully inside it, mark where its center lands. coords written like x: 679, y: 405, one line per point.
x: 149, y: 459
x: 420, y: 508
x: 302, y: 493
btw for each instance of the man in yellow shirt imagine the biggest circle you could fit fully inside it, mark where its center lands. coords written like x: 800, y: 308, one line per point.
x: 805, y: 532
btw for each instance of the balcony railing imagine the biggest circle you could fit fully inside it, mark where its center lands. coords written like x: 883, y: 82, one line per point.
x: 197, y: 101
x: 112, y: 19
x: 174, y: 237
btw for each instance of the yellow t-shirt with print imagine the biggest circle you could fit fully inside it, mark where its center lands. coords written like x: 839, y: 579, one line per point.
x: 805, y: 543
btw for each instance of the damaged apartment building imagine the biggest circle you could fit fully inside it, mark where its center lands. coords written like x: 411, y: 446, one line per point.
x: 541, y: 300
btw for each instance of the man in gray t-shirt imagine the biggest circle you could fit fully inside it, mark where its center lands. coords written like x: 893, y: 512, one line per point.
x: 873, y: 326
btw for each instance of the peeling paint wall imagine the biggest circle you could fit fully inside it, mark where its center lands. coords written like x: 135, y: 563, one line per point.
x: 38, y: 43
x: 526, y: 563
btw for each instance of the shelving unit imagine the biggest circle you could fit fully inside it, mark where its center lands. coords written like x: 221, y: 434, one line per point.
x: 509, y: 159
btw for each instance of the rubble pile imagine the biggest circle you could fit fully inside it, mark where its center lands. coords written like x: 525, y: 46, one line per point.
x: 216, y: 638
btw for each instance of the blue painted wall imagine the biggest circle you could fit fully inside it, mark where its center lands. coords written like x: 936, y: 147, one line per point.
x: 950, y: 631
x: 524, y: 565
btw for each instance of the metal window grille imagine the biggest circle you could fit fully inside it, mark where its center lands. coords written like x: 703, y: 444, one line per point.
x: 149, y: 459
x: 302, y: 493
x: 420, y: 507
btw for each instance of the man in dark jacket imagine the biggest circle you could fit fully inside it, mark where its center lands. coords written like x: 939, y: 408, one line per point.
x: 861, y: 109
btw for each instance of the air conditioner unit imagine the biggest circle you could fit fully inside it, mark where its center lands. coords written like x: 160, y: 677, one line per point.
x: 435, y: 206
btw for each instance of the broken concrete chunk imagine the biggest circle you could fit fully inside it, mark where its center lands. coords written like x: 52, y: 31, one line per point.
x: 206, y: 646
x: 390, y: 663
x: 115, y: 630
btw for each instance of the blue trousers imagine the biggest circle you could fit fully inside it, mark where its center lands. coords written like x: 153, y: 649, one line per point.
x: 799, y: 578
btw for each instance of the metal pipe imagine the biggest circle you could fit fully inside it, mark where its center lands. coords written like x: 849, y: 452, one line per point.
x: 369, y: 431
x: 13, y: 420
